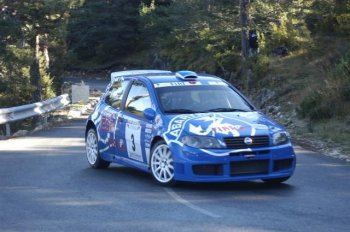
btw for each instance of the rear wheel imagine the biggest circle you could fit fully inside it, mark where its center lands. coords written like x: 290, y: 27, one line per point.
x: 162, y: 164
x: 276, y: 181
x: 92, y: 151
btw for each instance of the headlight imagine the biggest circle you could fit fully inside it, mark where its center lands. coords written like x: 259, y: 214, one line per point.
x: 201, y: 142
x: 279, y: 138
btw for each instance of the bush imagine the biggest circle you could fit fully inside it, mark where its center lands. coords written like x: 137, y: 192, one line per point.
x: 289, y: 32
x: 332, y: 99
x: 316, y: 107
x: 261, y: 65
x: 343, y: 21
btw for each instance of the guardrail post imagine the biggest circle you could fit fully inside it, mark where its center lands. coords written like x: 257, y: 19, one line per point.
x: 8, y: 129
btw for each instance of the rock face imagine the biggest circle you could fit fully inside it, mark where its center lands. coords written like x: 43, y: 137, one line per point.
x: 283, y: 111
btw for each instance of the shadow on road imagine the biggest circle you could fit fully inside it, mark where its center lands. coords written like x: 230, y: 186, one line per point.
x: 234, y: 186
x: 124, y: 175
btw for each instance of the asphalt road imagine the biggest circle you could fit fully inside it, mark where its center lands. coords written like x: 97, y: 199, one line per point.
x: 46, y: 185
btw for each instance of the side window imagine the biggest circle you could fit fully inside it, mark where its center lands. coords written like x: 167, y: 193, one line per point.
x: 115, y: 94
x: 138, y: 99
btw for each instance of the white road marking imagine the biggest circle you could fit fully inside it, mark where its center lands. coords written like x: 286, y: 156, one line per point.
x: 189, y: 204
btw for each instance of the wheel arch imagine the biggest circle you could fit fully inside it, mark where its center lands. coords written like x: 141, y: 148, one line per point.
x: 155, y: 140
x: 90, y: 124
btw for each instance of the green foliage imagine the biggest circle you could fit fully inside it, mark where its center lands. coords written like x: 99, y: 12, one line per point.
x: 288, y: 34
x: 260, y: 65
x: 15, y: 87
x: 101, y: 33
x: 317, y: 106
x: 329, y: 17
x: 21, y: 22
x: 172, y: 34
x: 343, y: 21
x: 332, y: 98
x: 282, y: 23
x: 195, y: 35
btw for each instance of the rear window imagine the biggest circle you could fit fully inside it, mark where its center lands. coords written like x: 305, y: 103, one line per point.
x: 115, y: 94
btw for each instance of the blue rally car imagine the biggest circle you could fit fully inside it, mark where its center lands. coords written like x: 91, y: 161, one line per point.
x: 186, y: 126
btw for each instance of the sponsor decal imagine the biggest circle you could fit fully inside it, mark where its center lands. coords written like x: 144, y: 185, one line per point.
x: 216, y: 83
x: 158, y: 122
x: 112, y: 142
x: 215, y: 126
x: 149, y: 126
x: 122, y: 145
x: 131, y: 121
x: 227, y: 128
x: 248, y: 140
x: 107, y: 124
x: 260, y: 127
x: 176, y: 126
x: 105, y: 143
x: 212, y: 124
x: 107, y: 128
x: 148, y: 137
x: 188, y: 83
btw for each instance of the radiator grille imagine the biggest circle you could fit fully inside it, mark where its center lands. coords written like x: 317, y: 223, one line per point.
x: 238, y: 142
x: 256, y: 167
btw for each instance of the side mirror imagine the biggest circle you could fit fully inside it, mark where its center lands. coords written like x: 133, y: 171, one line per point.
x: 149, y: 114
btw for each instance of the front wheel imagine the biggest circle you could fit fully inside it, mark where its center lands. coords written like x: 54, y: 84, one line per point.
x: 92, y: 151
x: 162, y: 164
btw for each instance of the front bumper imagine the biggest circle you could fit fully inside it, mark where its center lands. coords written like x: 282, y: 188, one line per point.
x: 197, y: 165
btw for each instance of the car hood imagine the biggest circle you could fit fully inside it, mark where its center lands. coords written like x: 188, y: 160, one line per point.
x: 220, y: 125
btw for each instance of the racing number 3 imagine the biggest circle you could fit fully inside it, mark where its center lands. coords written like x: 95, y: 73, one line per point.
x: 133, y: 142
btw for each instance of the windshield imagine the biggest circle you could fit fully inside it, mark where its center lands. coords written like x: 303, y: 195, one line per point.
x: 200, y: 99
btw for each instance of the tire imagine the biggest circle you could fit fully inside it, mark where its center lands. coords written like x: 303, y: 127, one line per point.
x: 276, y: 181
x: 92, y: 151
x: 161, y: 164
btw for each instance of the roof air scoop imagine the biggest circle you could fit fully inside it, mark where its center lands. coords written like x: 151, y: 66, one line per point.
x: 186, y: 75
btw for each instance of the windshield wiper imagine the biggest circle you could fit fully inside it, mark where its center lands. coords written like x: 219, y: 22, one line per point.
x: 180, y: 111
x: 227, y: 110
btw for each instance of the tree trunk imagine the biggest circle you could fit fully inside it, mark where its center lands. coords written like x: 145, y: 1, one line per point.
x: 244, y: 21
x: 47, y: 58
x: 208, y: 5
x: 35, y: 70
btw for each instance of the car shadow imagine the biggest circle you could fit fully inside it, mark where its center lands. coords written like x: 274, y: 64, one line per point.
x: 126, y: 174
x: 233, y: 186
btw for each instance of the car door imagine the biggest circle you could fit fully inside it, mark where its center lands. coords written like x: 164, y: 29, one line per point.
x: 108, y: 127
x: 133, y: 123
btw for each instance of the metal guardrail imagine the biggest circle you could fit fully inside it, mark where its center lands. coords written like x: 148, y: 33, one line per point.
x: 13, y: 114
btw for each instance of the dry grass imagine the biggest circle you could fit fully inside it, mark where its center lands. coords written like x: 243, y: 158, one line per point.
x: 296, y: 77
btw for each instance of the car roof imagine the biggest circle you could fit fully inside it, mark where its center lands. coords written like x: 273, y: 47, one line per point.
x: 161, y: 76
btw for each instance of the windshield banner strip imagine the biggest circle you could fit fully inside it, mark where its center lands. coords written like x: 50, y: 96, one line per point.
x: 189, y: 83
